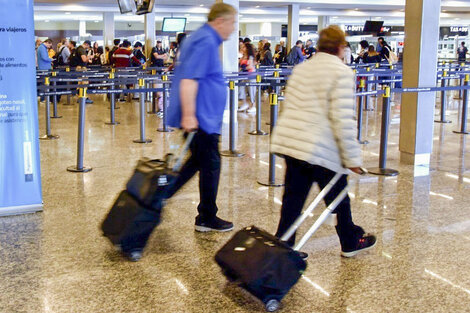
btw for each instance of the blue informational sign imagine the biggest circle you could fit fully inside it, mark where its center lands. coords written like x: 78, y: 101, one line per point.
x: 20, y: 175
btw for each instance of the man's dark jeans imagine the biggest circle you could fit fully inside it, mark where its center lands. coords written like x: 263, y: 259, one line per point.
x: 300, y: 176
x: 205, y: 158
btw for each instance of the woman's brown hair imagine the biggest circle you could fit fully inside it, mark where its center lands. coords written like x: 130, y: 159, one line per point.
x: 331, y: 39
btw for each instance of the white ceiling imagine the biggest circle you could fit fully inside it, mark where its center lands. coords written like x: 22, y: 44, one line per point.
x: 255, y: 11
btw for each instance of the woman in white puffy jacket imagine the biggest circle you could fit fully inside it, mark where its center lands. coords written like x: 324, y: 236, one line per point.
x: 316, y: 135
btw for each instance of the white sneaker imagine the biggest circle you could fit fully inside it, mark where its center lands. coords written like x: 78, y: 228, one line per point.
x: 251, y: 110
x: 243, y: 107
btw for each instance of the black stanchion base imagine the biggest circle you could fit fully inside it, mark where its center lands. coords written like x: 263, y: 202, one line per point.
x: 115, y: 123
x: 231, y: 154
x: 383, y: 171
x: 368, y: 110
x: 152, y: 112
x: 49, y: 137
x: 143, y: 141
x: 56, y: 116
x: 461, y: 133
x: 363, y: 142
x: 458, y: 98
x: 443, y: 122
x: 258, y: 133
x: 75, y: 169
x: 163, y: 130
x: 271, y: 184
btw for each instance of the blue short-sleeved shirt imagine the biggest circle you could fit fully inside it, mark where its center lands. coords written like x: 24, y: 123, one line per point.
x: 199, y: 60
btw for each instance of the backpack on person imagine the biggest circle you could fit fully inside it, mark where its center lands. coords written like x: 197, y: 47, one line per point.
x: 293, y: 57
x: 392, y: 57
x: 74, y: 59
x: 60, y: 58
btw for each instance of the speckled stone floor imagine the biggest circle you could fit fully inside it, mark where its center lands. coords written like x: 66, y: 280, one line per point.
x: 57, y: 260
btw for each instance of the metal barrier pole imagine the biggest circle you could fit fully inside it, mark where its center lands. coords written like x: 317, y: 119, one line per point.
x: 382, y: 170
x: 67, y: 69
x: 360, y: 114
x: 274, y: 104
x: 142, y: 111
x: 367, y: 98
x: 153, y: 97
x: 463, y: 123
x: 232, y: 152
x: 54, y: 97
x: 165, y: 128
x: 112, y: 104
x: 443, y: 100
x: 258, y: 131
x: 48, y: 135
x: 461, y: 80
x: 79, y: 168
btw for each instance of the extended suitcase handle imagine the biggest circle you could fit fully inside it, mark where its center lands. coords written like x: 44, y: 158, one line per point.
x: 322, y: 219
x: 310, y: 208
x: 179, y: 160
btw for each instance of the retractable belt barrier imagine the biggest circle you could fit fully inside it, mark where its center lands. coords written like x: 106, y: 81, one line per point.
x: 65, y: 82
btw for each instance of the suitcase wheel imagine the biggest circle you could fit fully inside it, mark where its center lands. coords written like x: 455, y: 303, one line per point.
x: 272, y: 305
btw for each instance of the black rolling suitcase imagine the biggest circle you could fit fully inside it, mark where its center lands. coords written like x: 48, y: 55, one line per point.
x: 136, y: 212
x: 265, y: 265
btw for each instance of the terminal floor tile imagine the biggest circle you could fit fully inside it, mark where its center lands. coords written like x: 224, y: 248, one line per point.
x: 58, y: 261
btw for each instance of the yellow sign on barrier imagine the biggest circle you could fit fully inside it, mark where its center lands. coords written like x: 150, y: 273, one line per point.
x: 82, y: 92
x: 387, y: 92
x: 273, y: 99
x: 47, y: 81
x: 258, y: 78
x: 232, y: 85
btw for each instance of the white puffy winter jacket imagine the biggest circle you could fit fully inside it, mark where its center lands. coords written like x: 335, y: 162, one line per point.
x: 316, y: 123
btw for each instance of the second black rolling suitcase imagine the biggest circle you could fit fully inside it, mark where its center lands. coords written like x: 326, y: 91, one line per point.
x: 136, y: 212
x: 265, y: 265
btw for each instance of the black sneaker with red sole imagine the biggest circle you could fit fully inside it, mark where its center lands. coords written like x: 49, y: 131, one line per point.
x: 365, y: 243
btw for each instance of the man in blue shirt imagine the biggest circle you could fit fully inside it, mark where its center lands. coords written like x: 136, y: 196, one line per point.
x: 44, y: 61
x: 197, y: 103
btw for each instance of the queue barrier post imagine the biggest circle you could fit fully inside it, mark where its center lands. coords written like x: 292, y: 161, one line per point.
x: 367, y: 98
x: 142, y: 111
x: 463, y: 123
x: 112, y: 106
x: 153, y: 98
x: 443, y: 100
x: 274, y: 109
x: 360, y: 114
x: 54, y: 97
x: 382, y: 170
x: 79, y: 168
x: 48, y: 135
x: 67, y: 70
x: 258, y: 131
x: 165, y: 128
x: 232, y: 152
x: 461, y: 80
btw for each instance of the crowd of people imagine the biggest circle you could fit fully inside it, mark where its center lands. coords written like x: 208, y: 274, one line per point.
x: 122, y: 54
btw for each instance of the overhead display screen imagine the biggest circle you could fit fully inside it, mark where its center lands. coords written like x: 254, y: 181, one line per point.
x: 174, y: 24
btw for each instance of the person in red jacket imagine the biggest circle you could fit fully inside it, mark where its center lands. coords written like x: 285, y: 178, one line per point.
x: 122, y: 56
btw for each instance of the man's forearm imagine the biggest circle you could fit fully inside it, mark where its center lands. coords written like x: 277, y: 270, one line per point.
x: 188, y: 95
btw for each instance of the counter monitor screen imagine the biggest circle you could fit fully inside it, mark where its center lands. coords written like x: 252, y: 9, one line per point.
x: 126, y: 6
x: 174, y: 24
x: 373, y: 26
x: 144, y: 6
